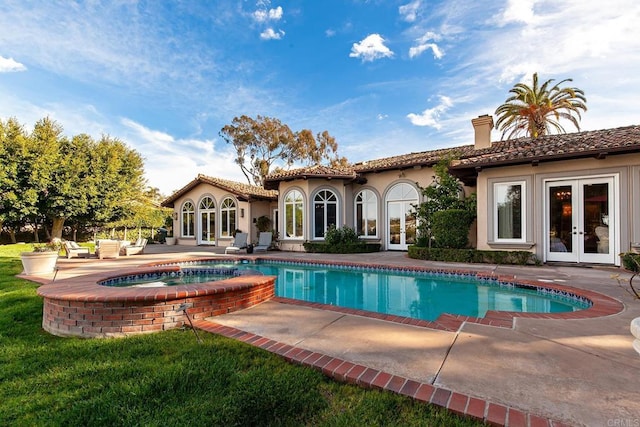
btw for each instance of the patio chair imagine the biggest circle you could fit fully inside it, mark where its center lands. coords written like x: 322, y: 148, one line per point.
x: 136, y: 248
x: 264, y: 241
x: 108, y: 249
x: 73, y: 249
x: 239, y: 243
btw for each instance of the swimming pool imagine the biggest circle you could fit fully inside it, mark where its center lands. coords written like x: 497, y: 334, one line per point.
x: 423, y: 295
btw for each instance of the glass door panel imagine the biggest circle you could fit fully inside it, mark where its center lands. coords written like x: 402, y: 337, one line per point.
x: 394, y: 224
x: 409, y: 225
x: 561, y: 224
x: 596, y: 218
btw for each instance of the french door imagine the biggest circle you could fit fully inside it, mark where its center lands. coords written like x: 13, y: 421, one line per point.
x: 207, y: 228
x: 401, y: 225
x: 581, y: 220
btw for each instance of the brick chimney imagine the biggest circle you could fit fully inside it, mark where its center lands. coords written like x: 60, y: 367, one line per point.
x: 482, y: 126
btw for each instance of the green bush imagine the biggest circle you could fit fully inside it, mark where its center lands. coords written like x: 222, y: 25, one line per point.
x: 473, y: 256
x: 450, y: 228
x: 340, y: 236
x: 631, y: 261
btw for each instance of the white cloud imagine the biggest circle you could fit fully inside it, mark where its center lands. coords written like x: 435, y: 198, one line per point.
x: 264, y: 15
x: 8, y: 65
x: 417, y: 50
x: 409, y: 12
x: 275, y: 14
x: 423, y: 43
x: 431, y: 116
x: 518, y: 11
x: 370, y: 49
x: 270, y: 34
x: 330, y: 32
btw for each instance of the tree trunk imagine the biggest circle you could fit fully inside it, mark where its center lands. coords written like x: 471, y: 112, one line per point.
x: 56, y: 228
x: 12, y: 235
x: 36, y: 238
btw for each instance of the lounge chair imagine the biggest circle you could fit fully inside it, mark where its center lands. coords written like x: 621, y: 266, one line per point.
x: 73, y: 249
x: 264, y: 241
x: 108, y: 249
x: 136, y: 248
x: 239, y: 243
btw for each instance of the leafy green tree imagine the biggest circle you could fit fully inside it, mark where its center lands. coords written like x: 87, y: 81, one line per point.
x: 264, y: 142
x: 116, y: 182
x: 536, y: 110
x: 68, y: 193
x: 445, y: 193
x: 27, y: 163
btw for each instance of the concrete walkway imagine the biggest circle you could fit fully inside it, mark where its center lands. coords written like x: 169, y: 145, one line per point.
x: 579, y: 372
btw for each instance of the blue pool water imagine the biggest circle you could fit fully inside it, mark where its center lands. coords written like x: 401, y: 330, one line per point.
x: 420, y: 295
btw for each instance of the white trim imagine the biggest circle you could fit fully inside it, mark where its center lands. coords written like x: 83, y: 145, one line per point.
x: 523, y: 208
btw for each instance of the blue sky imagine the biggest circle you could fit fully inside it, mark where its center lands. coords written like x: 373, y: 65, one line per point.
x: 383, y: 77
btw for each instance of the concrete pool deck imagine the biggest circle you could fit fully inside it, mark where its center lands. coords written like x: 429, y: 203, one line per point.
x: 576, y: 372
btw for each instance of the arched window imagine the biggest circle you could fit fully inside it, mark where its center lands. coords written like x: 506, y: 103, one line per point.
x: 366, y: 219
x: 228, y: 212
x: 188, y: 219
x: 293, y: 214
x: 325, y: 212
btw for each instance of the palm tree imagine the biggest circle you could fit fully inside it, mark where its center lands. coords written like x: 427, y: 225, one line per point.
x: 536, y: 110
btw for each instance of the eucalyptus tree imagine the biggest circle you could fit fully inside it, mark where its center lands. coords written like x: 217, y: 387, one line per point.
x: 265, y: 142
x: 537, y: 110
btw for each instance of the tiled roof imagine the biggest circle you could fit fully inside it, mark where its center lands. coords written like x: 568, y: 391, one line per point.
x: 240, y: 190
x: 316, y: 171
x: 424, y: 158
x: 598, y: 143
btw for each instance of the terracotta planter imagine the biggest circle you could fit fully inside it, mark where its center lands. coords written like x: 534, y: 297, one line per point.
x: 38, y: 262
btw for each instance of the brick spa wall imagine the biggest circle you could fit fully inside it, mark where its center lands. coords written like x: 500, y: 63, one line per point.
x: 94, y: 311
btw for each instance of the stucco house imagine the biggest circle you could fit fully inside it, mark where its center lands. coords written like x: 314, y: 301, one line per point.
x: 208, y: 210
x: 572, y: 197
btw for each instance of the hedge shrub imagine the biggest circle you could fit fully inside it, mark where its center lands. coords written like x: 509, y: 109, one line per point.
x: 473, y: 256
x: 342, y: 248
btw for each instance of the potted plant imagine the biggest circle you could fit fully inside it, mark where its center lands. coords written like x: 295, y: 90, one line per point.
x: 43, y: 258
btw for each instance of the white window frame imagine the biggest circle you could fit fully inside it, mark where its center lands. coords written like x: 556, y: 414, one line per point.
x: 523, y: 209
x: 225, y: 208
x: 190, y: 232
x: 366, y: 214
x: 293, y: 203
x: 326, y: 196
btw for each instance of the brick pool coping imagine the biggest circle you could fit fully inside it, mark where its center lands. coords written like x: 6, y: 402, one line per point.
x: 344, y: 371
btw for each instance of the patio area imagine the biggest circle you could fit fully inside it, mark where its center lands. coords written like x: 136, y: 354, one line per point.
x: 577, y: 372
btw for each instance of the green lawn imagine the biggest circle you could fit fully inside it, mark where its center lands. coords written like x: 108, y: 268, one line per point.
x: 167, y: 378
